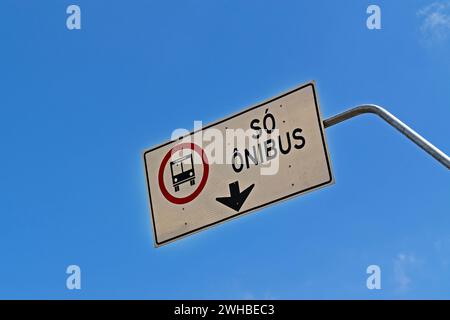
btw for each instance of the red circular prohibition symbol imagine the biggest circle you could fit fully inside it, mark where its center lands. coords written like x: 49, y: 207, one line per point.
x: 202, y: 183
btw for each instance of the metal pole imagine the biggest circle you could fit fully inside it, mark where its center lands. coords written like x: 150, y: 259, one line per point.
x: 396, y: 123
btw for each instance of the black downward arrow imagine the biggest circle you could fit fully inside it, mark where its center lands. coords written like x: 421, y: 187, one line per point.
x: 236, y: 198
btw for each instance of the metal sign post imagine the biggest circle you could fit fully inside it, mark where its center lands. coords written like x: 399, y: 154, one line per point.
x: 396, y: 123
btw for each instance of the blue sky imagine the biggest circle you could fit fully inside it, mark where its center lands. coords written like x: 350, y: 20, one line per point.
x: 79, y: 107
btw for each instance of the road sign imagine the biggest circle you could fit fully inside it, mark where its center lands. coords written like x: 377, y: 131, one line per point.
x: 265, y: 154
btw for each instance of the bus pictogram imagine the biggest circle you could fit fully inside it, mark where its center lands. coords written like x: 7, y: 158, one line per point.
x: 182, y: 170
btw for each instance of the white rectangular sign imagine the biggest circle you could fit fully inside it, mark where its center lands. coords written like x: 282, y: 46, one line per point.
x: 267, y: 153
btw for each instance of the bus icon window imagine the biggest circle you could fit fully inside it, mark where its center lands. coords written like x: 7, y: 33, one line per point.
x: 182, y: 170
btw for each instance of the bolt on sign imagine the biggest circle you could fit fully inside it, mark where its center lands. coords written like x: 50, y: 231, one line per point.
x: 267, y: 153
